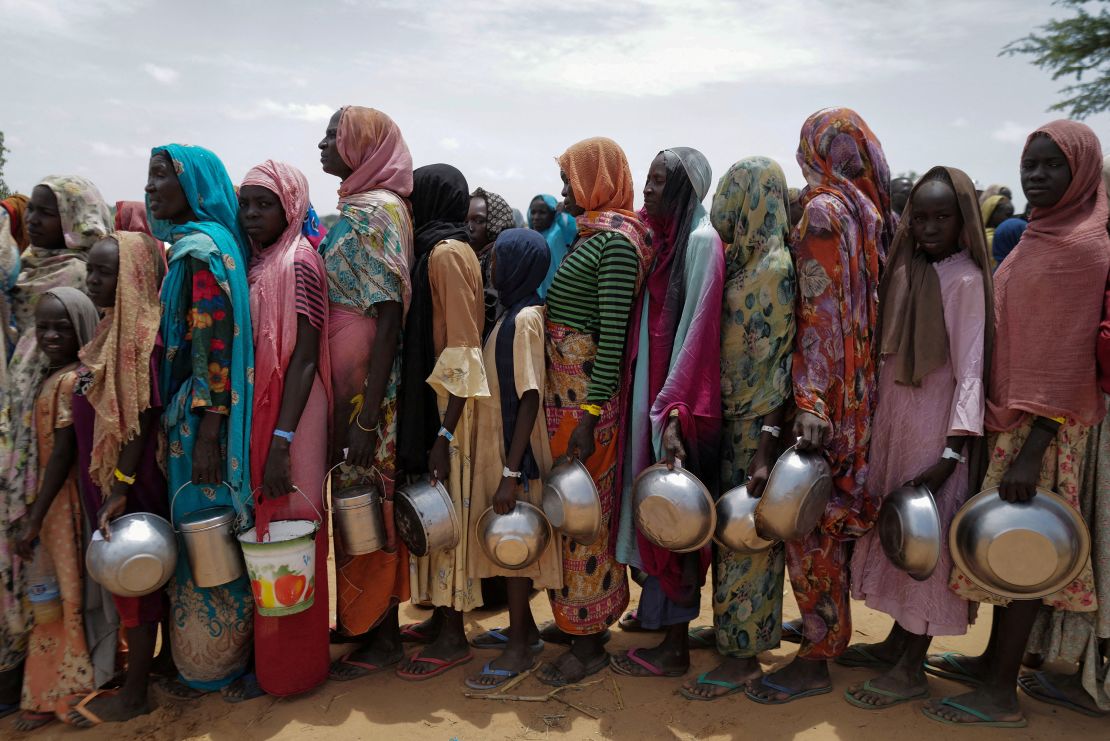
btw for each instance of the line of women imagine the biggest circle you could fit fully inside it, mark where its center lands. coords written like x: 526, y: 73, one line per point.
x: 425, y: 336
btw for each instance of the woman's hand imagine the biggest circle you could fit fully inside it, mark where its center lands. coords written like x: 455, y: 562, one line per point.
x: 28, y: 533
x: 206, y: 452
x: 1019, y: 483
x: 935, y: 475
x: 673, y: 449
x: 114, y: 506
x: 277, y: 477
x: 813, y: 431
x: 581, y: 444
x: 439, y: 459
x: 505, y: 498
x: 362, y: 446
x: 758, y: 472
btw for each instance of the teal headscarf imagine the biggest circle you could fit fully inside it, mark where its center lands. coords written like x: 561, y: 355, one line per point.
x: 559, y: 236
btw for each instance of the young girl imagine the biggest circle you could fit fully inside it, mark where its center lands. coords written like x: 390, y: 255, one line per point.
x: 58, y: 661
x: 936, y: 328
x: 512, y: 451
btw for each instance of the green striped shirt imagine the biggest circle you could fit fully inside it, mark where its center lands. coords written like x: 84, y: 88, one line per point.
x: 593, y: 292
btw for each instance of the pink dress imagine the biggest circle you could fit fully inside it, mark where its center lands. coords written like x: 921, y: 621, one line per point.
x: 908, y: 436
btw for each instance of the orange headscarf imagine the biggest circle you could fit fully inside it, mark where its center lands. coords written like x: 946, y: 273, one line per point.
x: 599, y: 175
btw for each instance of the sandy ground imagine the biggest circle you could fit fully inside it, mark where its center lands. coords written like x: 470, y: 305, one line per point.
x: 384, y: 707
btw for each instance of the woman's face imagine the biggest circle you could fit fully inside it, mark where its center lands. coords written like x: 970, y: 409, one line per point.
x: 477, y: 222
x: 55, y: 334
x: 102, y: 273
x: 653, y: 188
x: 540, y: 215
x: 1003, y: 211
x: 937, y: 221
x: 330, y: 161
x: 1045, y: 172
x: 261, y: 214
x: 44, y: 223
x: 164, y: 192
x: 569, y: 204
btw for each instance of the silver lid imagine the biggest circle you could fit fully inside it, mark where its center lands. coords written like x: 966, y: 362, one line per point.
x: 355, y: 497
x: 206, y: 519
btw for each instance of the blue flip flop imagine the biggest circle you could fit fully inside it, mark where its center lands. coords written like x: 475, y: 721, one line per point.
x: 1040, y: 687
x: 496, y: 638
x: 984, y: 720
x: 731, y: 688
x: 791, y: 693
x: 505, y: 675
x: 957, y: 672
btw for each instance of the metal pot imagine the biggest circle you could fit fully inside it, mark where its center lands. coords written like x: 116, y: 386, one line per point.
x: 1025, y: 550
x: 514, y: 540
x: 138, y: 560
x: 358, y: 517
x: 910, y: 530
x: 736, y: 523
x: 426, y: 518
x: 214, y: 555
x: 571, y: 503
x: 673, y: 508
x: 795, y: 497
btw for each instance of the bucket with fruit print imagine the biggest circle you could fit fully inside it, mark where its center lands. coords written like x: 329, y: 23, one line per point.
x: 282, y: 568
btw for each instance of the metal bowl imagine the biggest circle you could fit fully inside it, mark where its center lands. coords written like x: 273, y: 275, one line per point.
x: 514, y: 540
x: 426, y: 518
x: 138, y: 560
x: 1025, y: 550
x: 571, y: 503
x: 795, y: 497
x: 673, y: 508
x: 910, y: 530
x: 736, y: 523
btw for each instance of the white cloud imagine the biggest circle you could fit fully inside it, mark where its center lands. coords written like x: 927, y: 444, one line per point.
x: 1011, y: 133
x: 449, y: 143
x: 266, y: 108
x: 164, y: 75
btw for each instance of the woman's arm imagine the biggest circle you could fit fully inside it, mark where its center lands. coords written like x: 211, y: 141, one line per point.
x: 58, y: 469
x: 127, y: 464
x: 277, y: 479
x: 362, y: 437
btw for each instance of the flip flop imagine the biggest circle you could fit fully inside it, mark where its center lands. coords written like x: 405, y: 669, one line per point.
x: 896, y: 698
x: 792, y: 632
x: 651, y: 669
x: 442, y: 665
x: 860, y: 656
x: 505, y: 675
x: 731, y: 687
x: 1048, y: 692
x: 985, y: 721
x: 251, y: 690
x: 791, y: 693
x: 596, y: 664
x: 957, y: 673
x: 364, y: 669
x: 409, y: 634
x: 77, y: 704
x: 550, y: 633
x: 496, y: 638
x: 703, y: 637
x: 630, y: 623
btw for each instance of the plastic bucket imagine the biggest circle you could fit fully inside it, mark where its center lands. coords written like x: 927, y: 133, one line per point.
x: 282, y: 568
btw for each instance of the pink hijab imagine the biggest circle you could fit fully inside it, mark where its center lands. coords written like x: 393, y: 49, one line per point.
x: 1048, y: 297
x: 371, y: 144
x: 273, y: 299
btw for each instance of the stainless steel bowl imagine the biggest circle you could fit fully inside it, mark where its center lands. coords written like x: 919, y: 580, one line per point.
x: 736, y: 523
x: 910, y: 530
x: 514, y: 540
x: 673, y: 508
x: 795, y: 497
x: 571, y: 503
x: 426, y: 518
x: 139, y: 559
x: 1024, y: 550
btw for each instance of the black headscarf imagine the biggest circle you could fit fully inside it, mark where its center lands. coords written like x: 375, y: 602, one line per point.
x: 440, y: 200
x: 520, y: 262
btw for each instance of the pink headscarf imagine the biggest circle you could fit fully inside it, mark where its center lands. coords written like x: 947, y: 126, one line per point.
x: 273, y: 300
x: 131, y: 217
x: 1048, y: 297
x: 371, y: 144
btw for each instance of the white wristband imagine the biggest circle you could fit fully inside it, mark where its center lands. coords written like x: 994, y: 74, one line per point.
x: 775, y: 431
x: 507, y: 474
x: 953, y: 455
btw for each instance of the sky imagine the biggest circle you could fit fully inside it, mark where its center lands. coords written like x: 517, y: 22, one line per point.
x: 500, y: 88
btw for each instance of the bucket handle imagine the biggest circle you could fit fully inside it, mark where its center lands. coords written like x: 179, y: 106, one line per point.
x: 297, y: 489
x: 327, y: 484
x: 234, y: 503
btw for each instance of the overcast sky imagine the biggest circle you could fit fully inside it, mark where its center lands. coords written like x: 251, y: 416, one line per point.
x: 499, y: 88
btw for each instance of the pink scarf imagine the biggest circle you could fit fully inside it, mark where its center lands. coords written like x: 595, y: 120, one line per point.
x: 273, y: 286
x: 371, y: 144
x: 1048, y: 297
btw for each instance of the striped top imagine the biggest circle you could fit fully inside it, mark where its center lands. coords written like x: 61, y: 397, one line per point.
x: 593, y: 291
x: 312, y: 301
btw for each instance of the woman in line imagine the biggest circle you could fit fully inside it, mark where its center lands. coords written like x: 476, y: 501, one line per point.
x: 757, y: 336
x: 58, y: 660
x: 131, y: 217
x: 512, y: 451
x: 367, y: 256
x: 13, y: 240
x: 838, y: 247
x: 1041, y: 405
x: 289, y: 425
x: 995, y: 210
x: 443, y: 356
x: 588, y: 310
x: 1006, y: 238
x: 116, y: 409
x: 207, y: 392
x: 488, y: 217
x: 558, y: 229
x: 64, y: 217
x: 675, y: 414
x: 936, y: 329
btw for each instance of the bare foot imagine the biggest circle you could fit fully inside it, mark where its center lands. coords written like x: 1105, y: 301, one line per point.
x: 1000, y: 708
x: 29, y: 721
x: 800, y: 675
x: 730, y: 670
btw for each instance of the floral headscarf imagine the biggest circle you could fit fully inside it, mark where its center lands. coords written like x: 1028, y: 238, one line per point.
x: 499, y: 214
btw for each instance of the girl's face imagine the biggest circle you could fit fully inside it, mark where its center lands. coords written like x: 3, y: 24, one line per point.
x: 163, y: 189
x: 44, y: 224
x: 569, y: 204
x: 477, y: 222
x: 937, y: 221
x: 261, y: 214
x: 56, y: 335
x: 1045, y: 172
x: 102, y: 273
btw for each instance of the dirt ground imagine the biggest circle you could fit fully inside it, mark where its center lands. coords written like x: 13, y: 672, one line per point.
x: 384, y: 707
